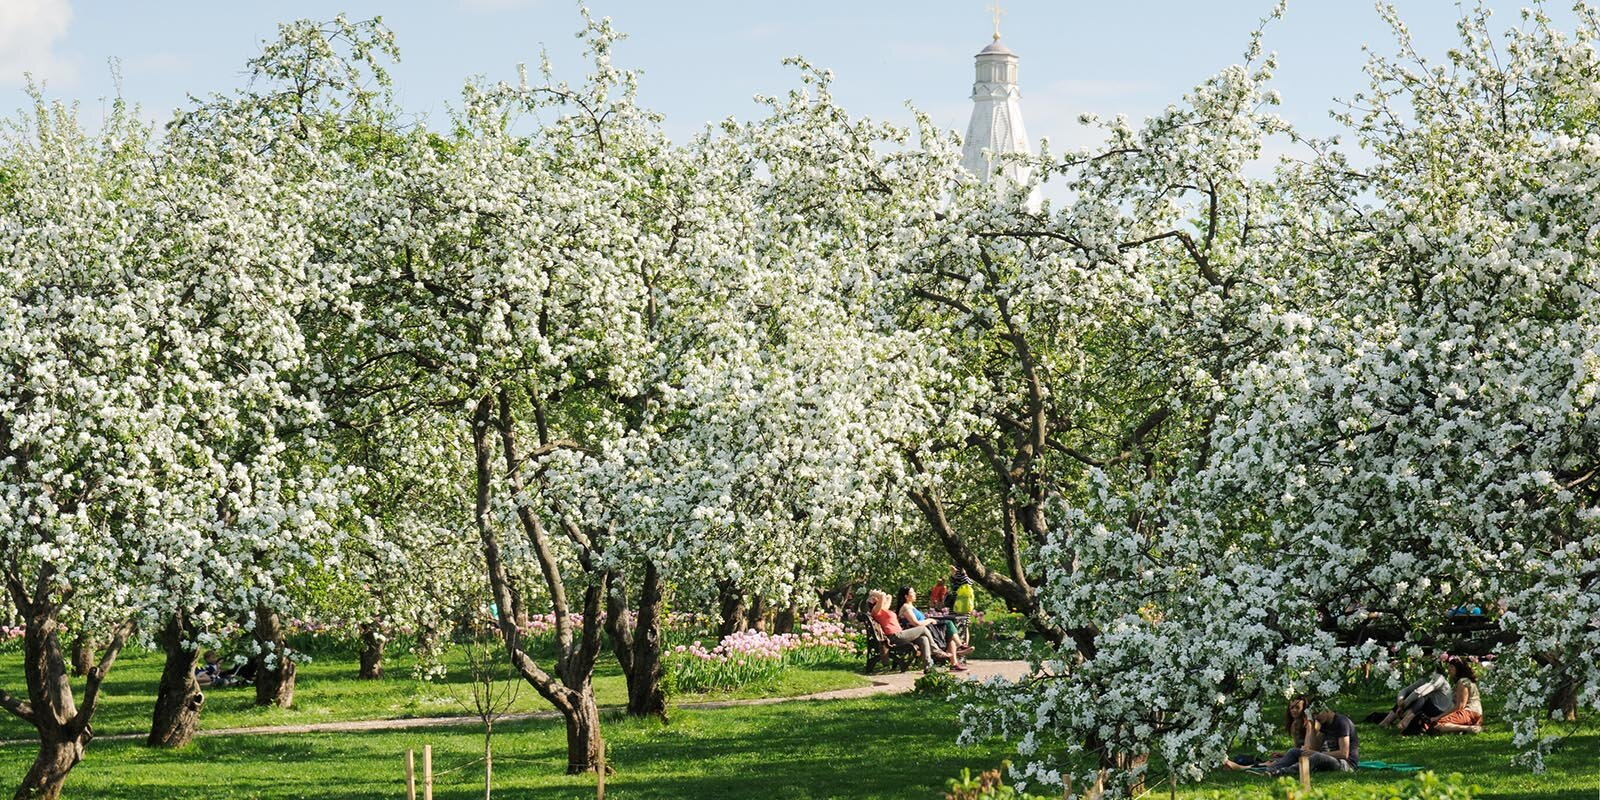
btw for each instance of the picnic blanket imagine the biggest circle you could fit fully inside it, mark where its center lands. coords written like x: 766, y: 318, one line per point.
x: 1392, y: 766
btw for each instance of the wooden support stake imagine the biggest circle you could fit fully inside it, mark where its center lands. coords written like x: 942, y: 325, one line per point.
x: 427, y: 772
x: 1305, y: 770
x: 600, y: 775
x: 411, y: 774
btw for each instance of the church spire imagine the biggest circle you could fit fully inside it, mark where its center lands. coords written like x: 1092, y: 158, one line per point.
x: 996, y: 127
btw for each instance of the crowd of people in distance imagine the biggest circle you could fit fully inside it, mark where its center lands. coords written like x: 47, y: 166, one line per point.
x: 936, y: 635
x: 1448, y: 702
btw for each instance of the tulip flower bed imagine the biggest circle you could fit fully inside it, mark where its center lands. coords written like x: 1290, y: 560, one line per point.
x: 755, y: 658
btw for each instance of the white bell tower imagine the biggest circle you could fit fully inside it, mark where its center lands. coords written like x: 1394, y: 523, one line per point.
x: 996, y: 127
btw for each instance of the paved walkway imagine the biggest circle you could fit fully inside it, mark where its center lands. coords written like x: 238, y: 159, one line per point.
x: 892, y: 683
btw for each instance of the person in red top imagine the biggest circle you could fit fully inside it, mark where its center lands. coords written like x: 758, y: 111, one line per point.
x: 920, y: 638
x: 936, y: 595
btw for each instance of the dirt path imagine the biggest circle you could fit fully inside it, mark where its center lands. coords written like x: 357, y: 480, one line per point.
x: 893, y: 683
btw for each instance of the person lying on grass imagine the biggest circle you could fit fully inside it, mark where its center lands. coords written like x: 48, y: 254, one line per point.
x: 1330, y: 746
x: 944, y: 631
x: 1466, y: 713
x: 921, y: 638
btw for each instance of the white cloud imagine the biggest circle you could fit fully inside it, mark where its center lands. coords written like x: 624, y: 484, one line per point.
x: 30, y: 30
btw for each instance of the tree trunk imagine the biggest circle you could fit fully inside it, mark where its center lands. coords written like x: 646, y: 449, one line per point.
x: 61, y: 722
x: 178, y: 699
x: 488, y: 761
x: 275, y: 670
x: 1564, y: 701
x: 731, y: 602
x: 583, y: 734
x: 757, y: 618
x: 372, y: 642
x: 82, y: 654
x: 50, y: 767
x: 638, y: 647
x: 573, y: 693
x: 1128, y: 764
x: 784, y: 623
x: 645, y: 697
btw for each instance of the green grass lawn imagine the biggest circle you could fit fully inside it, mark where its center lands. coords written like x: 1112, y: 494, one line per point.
x: 881, y: 747
x: 326, y: 690
x: 1485, y: 759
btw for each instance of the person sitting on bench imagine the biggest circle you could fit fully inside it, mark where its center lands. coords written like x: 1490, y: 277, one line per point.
x: 919, y: 638
x: 945, y: 639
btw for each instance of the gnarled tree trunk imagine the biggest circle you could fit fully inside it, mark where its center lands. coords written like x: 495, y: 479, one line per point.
x: 61, y: 722
x: 730, y: 600
x: 372, y: 642
x: 756, y: 619
x: 638, y: 648
x: 275, y: 669
x: 57, y: 756
x: 567, y: 687
x: 178, y: 699
x: 784, y: 622
x: 82, y: 654
x: 583, y: 734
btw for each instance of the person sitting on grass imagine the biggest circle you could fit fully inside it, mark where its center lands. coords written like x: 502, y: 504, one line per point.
x: 1466, y: 713
x: 211, y: 671
x: 1294, y: 723
x: 920, y: 638
x: 1423, y: 700
x: 944, y: 631
x: 1330, y: 746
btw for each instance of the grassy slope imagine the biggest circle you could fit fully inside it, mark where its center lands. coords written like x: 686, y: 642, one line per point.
x: 326, y: 691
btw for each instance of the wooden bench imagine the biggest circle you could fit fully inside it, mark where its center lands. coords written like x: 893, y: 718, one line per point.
x: 884, y: 651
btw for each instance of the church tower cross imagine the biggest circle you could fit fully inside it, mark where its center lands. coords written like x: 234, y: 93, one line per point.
x: 994, y: 8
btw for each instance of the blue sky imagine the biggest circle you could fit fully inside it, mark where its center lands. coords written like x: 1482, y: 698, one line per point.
x: 705, y: 59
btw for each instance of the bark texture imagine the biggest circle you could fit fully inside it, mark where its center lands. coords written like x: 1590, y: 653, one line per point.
x: 178, y: 698
x: 49, y: 771
x: 275, y: 669
x: 59, y: 718
x: 82, y: 655
x: 638, y: 646
x: 730, y: 602
x: 372, y: 645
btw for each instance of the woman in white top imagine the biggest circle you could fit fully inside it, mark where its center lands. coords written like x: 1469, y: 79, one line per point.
x: 1466, y: 716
